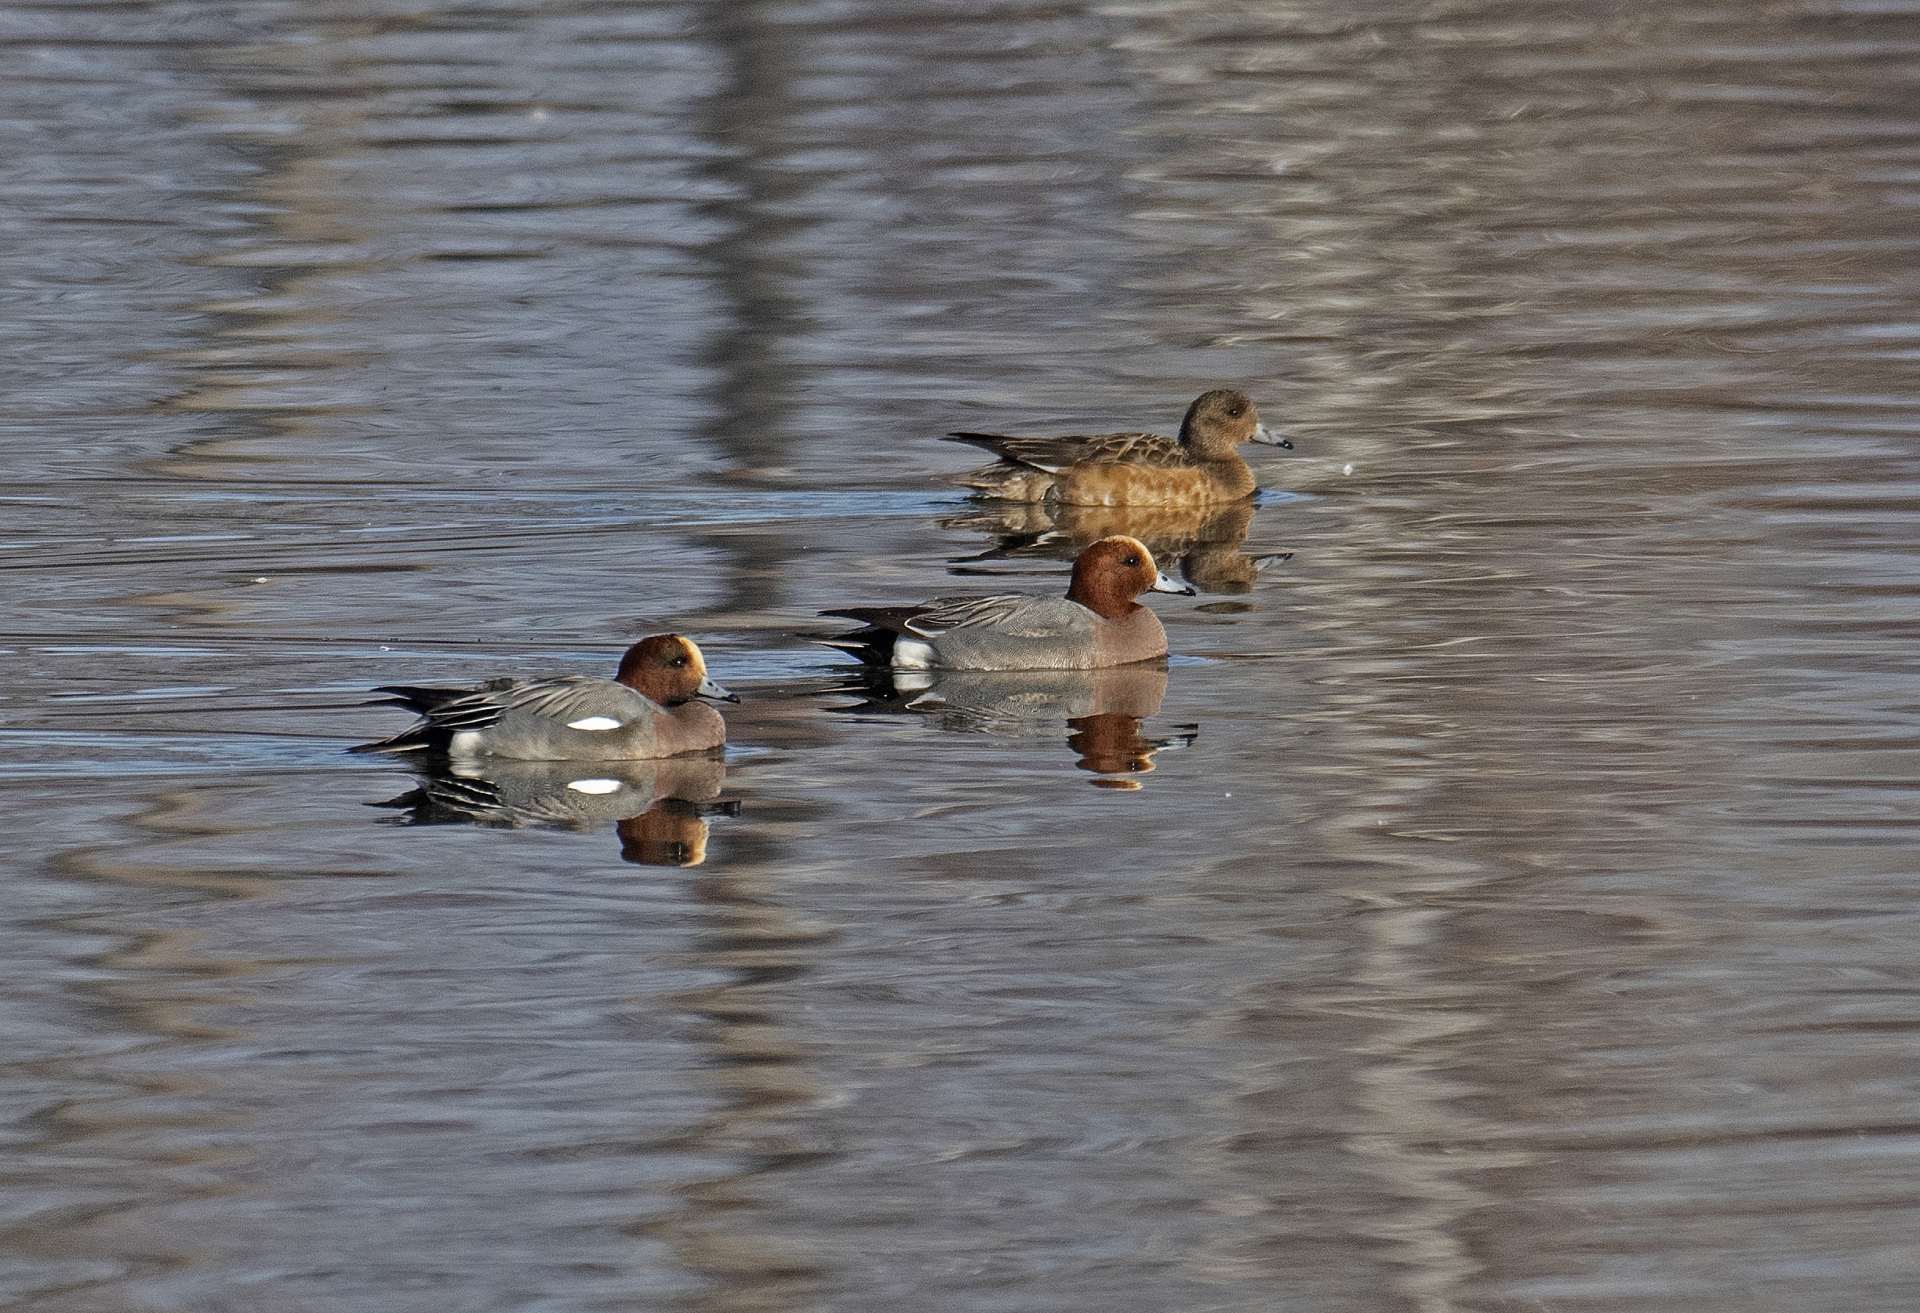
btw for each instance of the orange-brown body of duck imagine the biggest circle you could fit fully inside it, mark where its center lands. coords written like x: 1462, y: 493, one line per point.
x: 1198, y: 468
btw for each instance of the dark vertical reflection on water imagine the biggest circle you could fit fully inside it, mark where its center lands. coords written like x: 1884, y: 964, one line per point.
x: 754, y: 262
x: 754, y: 258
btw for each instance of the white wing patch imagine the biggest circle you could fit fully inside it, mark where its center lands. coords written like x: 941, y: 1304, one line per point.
x: 595, y: 787
x: 594, y: 722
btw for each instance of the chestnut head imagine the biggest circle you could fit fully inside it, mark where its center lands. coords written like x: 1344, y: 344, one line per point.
x: 1114, y: 571
x: 670, y: 670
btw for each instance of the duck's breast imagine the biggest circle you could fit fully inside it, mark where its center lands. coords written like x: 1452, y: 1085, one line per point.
x: 1136, y: 636
x: 690, y: 727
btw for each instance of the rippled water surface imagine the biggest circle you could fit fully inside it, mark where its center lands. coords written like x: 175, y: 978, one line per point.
x: 1506, y: 902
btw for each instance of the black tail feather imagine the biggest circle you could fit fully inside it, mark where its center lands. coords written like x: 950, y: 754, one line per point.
x: 420, y: 738
x: 873, y: 643
x: 421, y: 700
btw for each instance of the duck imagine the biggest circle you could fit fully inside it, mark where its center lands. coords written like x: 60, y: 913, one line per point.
x: 1200, y: 467
x: 1097, y: 624
x: 646, y: 710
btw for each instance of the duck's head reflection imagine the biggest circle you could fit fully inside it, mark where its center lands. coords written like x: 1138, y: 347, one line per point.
x: 1102, y: 709
x: 659, y: 807
x: 1112, y: 747
x: 1204, y: 541
x: 672, y: 832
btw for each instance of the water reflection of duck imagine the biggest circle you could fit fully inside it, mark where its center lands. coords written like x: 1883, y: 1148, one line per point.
x: 1102, y: 709
x: 659, y: 807
x: 1204, y: 540
x: 1198, y: 468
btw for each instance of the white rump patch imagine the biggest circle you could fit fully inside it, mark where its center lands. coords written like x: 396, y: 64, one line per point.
x: 594, y: 722
x: 912, y: 654
x: 595, y: 787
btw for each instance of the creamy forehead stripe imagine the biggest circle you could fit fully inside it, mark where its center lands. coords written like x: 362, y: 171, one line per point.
x: 594, y: 722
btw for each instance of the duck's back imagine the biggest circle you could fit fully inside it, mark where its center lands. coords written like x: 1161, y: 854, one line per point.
x: 570, y: 718
x: 1033, y: 633
x: 1056, y: 454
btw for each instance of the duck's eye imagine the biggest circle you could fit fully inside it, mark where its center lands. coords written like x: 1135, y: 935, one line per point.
x: 1131, y: 560
x: 676, y: 662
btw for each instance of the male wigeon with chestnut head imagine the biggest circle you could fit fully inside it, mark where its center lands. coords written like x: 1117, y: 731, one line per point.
x: 1199, y: 468
x: 1098, y: 623
x: 646, y: 710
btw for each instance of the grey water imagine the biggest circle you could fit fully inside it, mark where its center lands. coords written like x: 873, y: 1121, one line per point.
x: 1507, y: 901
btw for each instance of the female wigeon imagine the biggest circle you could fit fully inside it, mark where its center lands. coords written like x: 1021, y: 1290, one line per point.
x: 1198, y: 468
x: 1096, y: 624
x: 646, y: 710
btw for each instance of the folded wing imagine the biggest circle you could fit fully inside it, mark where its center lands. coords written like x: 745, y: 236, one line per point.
x: 1056, y: 454
x: 1007, y: 613
x: 565, y: 698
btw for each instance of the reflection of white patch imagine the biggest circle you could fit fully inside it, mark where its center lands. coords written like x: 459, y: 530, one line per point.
x: 913, y: 682
x: 594, y: 722
x: 911, y: 654
x: 595, y: 787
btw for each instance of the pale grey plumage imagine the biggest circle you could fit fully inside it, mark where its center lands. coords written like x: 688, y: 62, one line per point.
x: 531, y: 720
